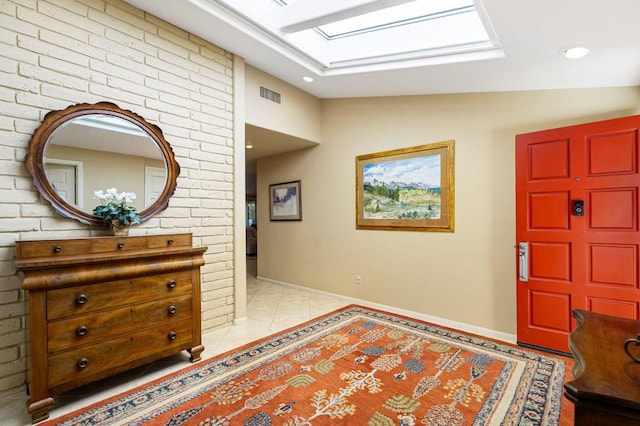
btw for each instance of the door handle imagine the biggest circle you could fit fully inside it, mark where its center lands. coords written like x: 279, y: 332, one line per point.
x: 523, y: 254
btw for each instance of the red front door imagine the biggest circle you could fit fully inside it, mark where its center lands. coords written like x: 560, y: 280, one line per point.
x: 577, y: 234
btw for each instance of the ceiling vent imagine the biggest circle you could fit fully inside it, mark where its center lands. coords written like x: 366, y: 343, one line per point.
x: 269, y: 94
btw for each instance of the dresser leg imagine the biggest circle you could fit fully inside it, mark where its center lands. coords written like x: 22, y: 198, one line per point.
x: 39, y: 410
x: 195, y: 353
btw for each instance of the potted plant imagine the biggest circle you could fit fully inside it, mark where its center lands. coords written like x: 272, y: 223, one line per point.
x: 115, y: 211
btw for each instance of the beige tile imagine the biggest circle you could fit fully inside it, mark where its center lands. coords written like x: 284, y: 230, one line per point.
x: 213, y: 342
x: 13, y: 411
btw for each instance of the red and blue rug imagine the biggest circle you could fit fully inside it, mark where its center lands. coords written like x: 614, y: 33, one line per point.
x: 355, y: 366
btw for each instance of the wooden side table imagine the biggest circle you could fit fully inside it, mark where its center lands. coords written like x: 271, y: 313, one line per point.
x: 606, y: 385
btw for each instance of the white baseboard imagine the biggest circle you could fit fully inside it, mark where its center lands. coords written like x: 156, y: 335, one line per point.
x: 468, y: 328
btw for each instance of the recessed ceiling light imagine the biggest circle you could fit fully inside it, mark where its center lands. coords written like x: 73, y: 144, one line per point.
x: 248, y: 146
x: 576, y: 52
x: 307, y: 79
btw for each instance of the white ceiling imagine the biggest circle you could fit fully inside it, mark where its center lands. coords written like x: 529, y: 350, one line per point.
x: 114, y: 135
x: 532, y: 34
x: 267, y: 142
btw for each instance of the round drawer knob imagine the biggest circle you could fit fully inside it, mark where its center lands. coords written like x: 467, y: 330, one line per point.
x: 82, y: 331
x: 82, y: 362
x: 172, y: 284
x: 172, y: 309
x: 57, y: 249
x: 81, y: 299
x: 120, y: 245
x: 172, y: 335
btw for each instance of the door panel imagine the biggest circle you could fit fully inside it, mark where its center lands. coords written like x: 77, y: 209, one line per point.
x: 613, y: 265
x: 550, y: 261
x: 603, y: 217
x: 549, y: 210
x: 613, y: 307
x: 586, y: 260
x: 545, y: 305
x: 612, y: 153
x: 549, y: 160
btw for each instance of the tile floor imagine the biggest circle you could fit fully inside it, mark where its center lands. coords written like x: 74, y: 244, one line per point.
x: 270, y: 308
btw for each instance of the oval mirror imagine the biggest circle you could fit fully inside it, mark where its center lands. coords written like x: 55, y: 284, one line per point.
x: 88, y: 147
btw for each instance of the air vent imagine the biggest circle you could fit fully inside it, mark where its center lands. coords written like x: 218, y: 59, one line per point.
x: 269, y: 95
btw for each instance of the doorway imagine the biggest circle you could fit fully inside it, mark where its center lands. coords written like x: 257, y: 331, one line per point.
x: 155, y: 179
x: 66, y: 178
x: 252, y: 228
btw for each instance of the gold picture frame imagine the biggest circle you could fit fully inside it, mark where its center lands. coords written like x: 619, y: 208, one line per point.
x: 407, y: 189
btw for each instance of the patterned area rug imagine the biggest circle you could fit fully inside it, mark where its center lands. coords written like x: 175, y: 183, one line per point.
x: 355, y: 366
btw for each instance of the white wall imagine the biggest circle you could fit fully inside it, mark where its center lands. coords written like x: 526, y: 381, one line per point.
x: 54, y: 54
x: 467, y: 276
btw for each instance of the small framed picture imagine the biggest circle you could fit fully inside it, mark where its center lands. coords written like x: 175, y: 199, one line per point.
x: 285, y: 201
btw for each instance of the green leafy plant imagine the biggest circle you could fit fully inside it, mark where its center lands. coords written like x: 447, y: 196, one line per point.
x: 115, y: 206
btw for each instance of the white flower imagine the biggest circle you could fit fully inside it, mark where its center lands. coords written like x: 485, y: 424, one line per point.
x: 128, y: 196
x: 111, y: 196
x: 115, y: 206
x: 99, y: 195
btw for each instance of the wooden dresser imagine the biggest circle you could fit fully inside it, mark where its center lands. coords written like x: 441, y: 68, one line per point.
x: 606, y: 385
x: 100, y: 306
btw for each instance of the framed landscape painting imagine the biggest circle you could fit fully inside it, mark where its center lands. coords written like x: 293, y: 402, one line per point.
x: 285, y: 201
x: 408, y: 189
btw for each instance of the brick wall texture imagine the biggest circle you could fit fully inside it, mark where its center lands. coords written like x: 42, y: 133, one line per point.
x: 61, y: 52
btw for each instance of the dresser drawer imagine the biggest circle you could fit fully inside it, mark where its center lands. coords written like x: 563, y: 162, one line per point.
x: 87, y: 329
x: 166, y: 241
x: 83, y: 299
x: 53, y: 248
x: 73, y: 247
x: 117, y: 244
x: 89, y: 363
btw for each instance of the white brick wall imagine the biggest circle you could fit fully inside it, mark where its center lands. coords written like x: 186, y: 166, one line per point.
x: 57, y: 53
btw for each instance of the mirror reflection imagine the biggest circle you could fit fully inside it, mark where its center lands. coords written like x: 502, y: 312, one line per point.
x: 100, y: 151
x: 88, y: 147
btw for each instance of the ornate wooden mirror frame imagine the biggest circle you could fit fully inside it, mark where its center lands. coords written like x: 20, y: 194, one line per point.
x: 35, y: 158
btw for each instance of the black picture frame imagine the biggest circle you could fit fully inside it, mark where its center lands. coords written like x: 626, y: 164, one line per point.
x: 285, y: 201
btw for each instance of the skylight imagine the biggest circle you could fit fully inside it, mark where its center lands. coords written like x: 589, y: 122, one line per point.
x: 344, y: 36
x: 403, y: 14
